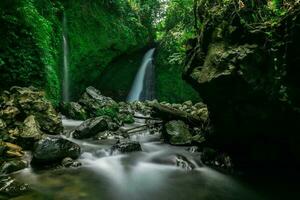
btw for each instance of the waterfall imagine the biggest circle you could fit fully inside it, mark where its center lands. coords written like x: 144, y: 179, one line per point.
x: 65, y: 84
x: 143, y: 85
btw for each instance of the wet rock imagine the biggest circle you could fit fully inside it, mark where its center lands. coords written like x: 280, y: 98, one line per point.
x: 10, y: 150
x: 177, y: 133
x: 74, y: 110
x: 30, y: 133
x: 53, y: 149
x: 127, y: 147
x: 9, y: 113
x: 22, y: 102
x: 188, y: 103
x: 93, y: 101
x: 90, y: 128
x: 184, y: 163
x: 214, y: 158
x: 69, y: 162
x: 193, y: 149
x: 9, y: 187
x: 10, y: 166
x: 108, y: 135
x: 2, y: 124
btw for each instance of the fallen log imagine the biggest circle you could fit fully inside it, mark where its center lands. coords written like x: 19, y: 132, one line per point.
x: 167, y: 113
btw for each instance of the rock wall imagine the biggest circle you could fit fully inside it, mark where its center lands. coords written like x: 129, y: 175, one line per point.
x: 245, y: 66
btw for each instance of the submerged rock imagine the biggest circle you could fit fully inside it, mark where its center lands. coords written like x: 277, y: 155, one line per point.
x: 184, y: 163
x: 9, y: 187
x: 53, y: 149
x: 177, y: 133
x: 90, y: 128
x: 127, y: 147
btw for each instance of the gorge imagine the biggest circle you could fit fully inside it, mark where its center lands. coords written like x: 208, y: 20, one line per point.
x: 149, y: 99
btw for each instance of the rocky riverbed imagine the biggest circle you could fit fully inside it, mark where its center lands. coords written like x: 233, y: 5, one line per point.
x: 32, y: 132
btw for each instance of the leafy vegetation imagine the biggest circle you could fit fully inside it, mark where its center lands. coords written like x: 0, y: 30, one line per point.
x: 174, y: 31
x: 30, y: 45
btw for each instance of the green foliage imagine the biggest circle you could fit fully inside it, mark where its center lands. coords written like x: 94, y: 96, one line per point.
x: 174, y: 32
x: 29, y: 46
x: 99, y: 32
x: 111, y: 112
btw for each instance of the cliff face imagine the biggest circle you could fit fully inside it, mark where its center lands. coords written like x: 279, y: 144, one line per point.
x: 30, y: 45
x: 245, y: 66
x: 100, y: 32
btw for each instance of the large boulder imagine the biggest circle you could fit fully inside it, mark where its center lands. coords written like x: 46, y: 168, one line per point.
x: 30, y: 132
x: 90, y: 128
x: 21, y: 102
x: 93, y: 101
x: 54, y: 149
x: 249, y: 78
x: 177, y: 133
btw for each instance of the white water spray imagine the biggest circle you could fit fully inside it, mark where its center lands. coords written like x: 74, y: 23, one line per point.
x: 138, y: 84
x: 66, y: 94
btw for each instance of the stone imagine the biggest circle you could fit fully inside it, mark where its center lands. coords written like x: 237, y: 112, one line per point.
x: 10, y: 166
x: 69, y: 162
x: 53, y: 149
x: 74, y: 110
x: 93, y: 101
x: 2, y: 124
x: 126, y: 147
x: 31, y: 129
x: 10, y: 150
x: 10, y: 112
x: 177, y: 133
x: 184, y: 163
x: 90, y: 128
x: 11, y: 188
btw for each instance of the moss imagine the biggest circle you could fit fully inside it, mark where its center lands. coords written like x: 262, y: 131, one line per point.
x: 99, y: 32
x: 117, y: 78
x: 34, y: 61
x: 170, y: 86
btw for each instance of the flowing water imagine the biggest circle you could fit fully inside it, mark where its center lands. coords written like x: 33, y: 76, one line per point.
x: 65, y: 88
x: 143, y: 85
x: 153, y: 174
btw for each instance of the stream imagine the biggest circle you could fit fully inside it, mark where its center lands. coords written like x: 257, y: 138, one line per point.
x: 156, y: 173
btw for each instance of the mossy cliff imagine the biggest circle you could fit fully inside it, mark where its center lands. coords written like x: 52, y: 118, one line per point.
x: 98, y: 33
x: 30, y: 45
x: 244, y: 64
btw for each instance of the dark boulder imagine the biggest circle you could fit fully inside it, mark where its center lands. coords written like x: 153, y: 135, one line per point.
x: 53, y: 149
x: 90, y: 128
x: 126, y: 147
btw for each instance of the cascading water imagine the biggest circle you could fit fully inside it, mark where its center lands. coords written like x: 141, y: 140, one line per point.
x: 65, y: 89
x: 143, y: 85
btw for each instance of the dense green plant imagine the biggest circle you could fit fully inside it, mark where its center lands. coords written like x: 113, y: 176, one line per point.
x: 29, y: 52
x: 174, y: 31
x: 99, y: 32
